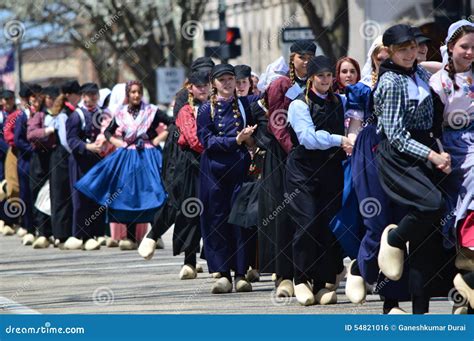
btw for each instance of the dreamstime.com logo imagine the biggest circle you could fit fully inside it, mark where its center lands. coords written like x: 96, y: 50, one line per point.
x: 46, y: 329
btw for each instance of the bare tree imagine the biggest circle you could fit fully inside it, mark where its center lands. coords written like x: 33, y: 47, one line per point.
x: 329, y: 20
x: 143, y: 34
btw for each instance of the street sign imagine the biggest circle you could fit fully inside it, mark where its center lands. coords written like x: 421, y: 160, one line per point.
x: 292, y: 34
x: 169, y: 81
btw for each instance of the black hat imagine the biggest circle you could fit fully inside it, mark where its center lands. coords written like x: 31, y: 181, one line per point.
x: 71, y: 87
x: 303, y: 47
x: 35, y: 89
x: 242, y: 71
x: 222, y: 69
x: 199, y: 77
x: 202, y: 64
x: 319, y: 64
x: 8, y: 94
x: 419, y: 36
x: 89, y: 87
x: 398, y: 34
x: 25, y: 90
x: 51, y: 91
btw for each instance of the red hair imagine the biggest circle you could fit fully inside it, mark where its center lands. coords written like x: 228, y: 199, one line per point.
x: 338, y: 85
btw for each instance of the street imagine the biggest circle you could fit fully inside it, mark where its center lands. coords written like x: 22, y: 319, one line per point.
x: 110, y: 281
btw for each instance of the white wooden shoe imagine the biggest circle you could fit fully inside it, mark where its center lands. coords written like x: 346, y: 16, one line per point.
x: 304, y: 294
x: 325, y: 296
x: 8, y: 231
x: 397, y: 311
x: 91, y: 245
x: 188, y: 272
x: 127, y: 245
x: 28, y: 239
x: 356, y: 290
x: 464, y: 289
x: 73, y: 243
x: 21, y: 232
x: 102, y: 240
x: 253, y: 275
x: 111, y: 242
x: 285, y: 289
x: 459, y: 310
x: 216, y: 275
x: 242, y: 285
x: 339, y: 278
x: 221, y: 286
x: 147, y: 248
x: 41, y: 243
x: 390, y: 259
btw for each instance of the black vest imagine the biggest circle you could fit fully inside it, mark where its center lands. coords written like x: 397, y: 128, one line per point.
x: 327, y: 115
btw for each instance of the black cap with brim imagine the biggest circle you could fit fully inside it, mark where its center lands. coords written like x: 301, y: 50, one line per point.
x: 318, y: 65
x: 8, y: 94
x: 51, y: 91
x: 398, y: 34
x: 419, y: 36
x: 25, y: 90
x: 303, y: 47
x: 35, y: 89
x: 202, y: 64
x: 222, y: 69
x: 242, y: 71
x: 88, y: 88
x: 199, y: 78
x: 71, y: 87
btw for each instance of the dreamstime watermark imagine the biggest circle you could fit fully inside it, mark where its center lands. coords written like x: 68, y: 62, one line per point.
x: 276, y: 36
x: 370, y: 29
x: 458, y: 119
x: 370, y: 207
x: 281, y: 300
x: 102, y: 208
x: 14, y: 208
x: 457, y: 298
x: 192, y: 207
x: 103, y: 296
x: 288, y: 198
x: 99, y: 34
x: 14, y: 30
x: 278, y: 119
x: 192, y: 29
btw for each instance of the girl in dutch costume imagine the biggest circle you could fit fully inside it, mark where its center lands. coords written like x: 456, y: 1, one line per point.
x: 128, y: 182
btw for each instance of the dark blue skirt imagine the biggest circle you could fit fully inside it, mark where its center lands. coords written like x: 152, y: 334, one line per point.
x: 128, y: 184
x: 377, y: 211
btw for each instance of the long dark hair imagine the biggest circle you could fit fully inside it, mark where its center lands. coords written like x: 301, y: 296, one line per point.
x: 458, y: 34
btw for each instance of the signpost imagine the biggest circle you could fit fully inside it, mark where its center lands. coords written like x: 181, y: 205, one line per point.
x: 169, y: 81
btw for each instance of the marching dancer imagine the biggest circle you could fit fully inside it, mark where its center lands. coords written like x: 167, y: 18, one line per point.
x: 454, y: 87
x: 128, y: 182
x: 224, y: 134
x: 278, y: 231
x: 40, y: 133
x: 314, y: 182
x: 83, y: 128
x: 61, y: 204
x: 408, y: 151
x: 187, y: 232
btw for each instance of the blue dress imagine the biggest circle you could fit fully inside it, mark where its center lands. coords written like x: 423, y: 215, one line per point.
x: 24, y: 153
x: 224, y: 165
x: 128, y: 182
